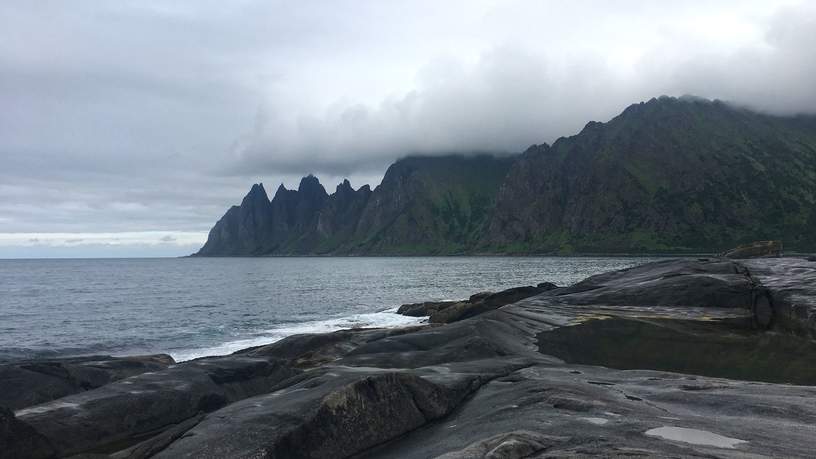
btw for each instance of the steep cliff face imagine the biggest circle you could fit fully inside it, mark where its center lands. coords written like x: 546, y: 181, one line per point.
x: 431, y: 205
x: 665, y: 175
x: 260, y: 226
x: 424, y: 205
x: 296, y: 214
x: 244, y: 230
x: 338, y: 219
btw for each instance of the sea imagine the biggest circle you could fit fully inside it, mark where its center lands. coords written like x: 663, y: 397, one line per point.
x: 196, y: 307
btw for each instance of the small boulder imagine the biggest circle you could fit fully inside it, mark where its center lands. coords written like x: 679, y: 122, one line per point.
x: 444, y: 312
x: 511, y: 295
x: 486, y: 301
x: 458, y: 311
x: 424, y: 309
x: 476, y: 297
x: 545, y: 286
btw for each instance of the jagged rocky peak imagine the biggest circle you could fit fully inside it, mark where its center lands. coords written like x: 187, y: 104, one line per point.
x: 344, y: 187
x: 671, y: 174
x: 540, y: 148
x: 281, y: 193
x: 309, y: 182
x: 310, y: 189
x: 256, y: 193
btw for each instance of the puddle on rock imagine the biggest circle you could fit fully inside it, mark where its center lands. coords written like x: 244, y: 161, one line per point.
x: 694, y: 436
x: 718, y: 349
x: 596, y: 421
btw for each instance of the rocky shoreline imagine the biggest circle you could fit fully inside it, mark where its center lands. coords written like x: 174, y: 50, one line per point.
x: 681, y: 358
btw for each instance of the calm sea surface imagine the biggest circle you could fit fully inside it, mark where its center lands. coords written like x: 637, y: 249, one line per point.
x: 191, y: 307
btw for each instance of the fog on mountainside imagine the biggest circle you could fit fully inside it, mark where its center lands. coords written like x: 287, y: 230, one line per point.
x: 665, y: 176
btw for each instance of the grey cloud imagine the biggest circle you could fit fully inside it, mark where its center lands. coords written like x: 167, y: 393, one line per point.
x: 151, y: 115
x: 513, y: 98
x: 776, y: 76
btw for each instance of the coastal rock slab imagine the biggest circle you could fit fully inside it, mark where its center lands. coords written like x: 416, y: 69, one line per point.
x: 791, y: 284
x: 585, y: 370
x: 18, y: 439
x: 130, y: 410
x: 445, y: 312
x: 31, y: 382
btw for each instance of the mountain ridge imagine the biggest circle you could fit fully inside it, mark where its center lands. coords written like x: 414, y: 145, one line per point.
x: 665, y: 175
x: 400, y: 214
x: 669, y: 175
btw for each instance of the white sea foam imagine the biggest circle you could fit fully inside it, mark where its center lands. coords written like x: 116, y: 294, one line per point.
x: 384, y: 319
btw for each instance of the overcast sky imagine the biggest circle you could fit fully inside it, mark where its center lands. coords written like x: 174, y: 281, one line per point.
x: 128, y: 127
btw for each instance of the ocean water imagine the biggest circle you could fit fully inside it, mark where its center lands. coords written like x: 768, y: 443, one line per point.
x: 193, y: 307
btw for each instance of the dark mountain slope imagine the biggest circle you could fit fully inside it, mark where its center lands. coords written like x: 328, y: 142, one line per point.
x: 245, y: 229
x: 666, y: 175
x: 429, y: 205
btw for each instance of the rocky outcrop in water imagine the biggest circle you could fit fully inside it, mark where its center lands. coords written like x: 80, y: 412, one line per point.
x: 444, y: 312
x: 621, y: 364
x: 757, y: 249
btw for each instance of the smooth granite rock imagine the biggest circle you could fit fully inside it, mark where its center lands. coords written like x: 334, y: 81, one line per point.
x: 127, y: 411
x: 791, y: 285
x: 27, y: 383
x: 18, y: 439
x: 631, y: 363
x: 445, y: 312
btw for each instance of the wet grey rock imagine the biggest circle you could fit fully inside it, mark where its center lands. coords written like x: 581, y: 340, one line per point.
x: 18, y: 439
x: 791, y: 287
x: 712, y: 282
x: 514, y: 444
x: 426, y: 308
x: 156, y: 444
x: 616, y: 418
x: 309, y: 350
x: 127, y: 411
x: 579, y: 371
x: 444, y: 312
x: 336, y: 412
x: 31, y: 382
x: 546, y: 286
x: 694, y: 347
